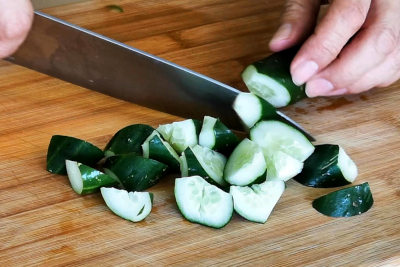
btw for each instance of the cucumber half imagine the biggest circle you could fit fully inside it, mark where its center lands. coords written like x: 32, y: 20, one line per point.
x: 85, y: 179
x: 346, y: 202
x: 181, y: 134
x: 215, y: 135
x: 206, y: 163
x: 132, y: 206
x: 271, y: 80
x: 255, y: 203
x: 135, y: 172
x: 246, y: 164
x: 251, y: 109
x: 128, y: 140
x: 66, y: 147
x: 328, y: 166
x: 203, y: 203
x: 155, y: 147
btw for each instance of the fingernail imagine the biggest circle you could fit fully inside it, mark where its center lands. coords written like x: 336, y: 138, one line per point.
x: 304, y: 71
x: 318, y: 87
x: 283, y: 33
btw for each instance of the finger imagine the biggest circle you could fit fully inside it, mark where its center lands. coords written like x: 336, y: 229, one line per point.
x: 372, y: 47
x: 343, y: 19
x: 298, y: 20
x: 15, y: 21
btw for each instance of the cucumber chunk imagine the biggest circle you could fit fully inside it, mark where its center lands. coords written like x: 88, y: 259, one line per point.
x: 251, y: 109
x: 246, y: 164
x: 132, y: 206
x: 155, y: 147
x: 85, y: 179
x: 65, y: 147
x: 346, y: 202
x: 255, y: 203
x: 181, y: 134
x: 206, y: 163
x: 203, y: 203
x: 328, y: 166
x: 282, y: 166
x: 128, y: 140
x: 215, y: 135
x: 135, y: 172
x: 275, y: 136
x: 271, y: 80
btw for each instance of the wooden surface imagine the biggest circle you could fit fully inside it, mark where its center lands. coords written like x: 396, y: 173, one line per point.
x: 43, y: 222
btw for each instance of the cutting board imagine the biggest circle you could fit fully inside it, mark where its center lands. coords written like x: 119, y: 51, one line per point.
x: 43, y: 222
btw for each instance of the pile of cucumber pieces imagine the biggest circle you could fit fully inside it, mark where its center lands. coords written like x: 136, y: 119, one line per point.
x: 219, y: 172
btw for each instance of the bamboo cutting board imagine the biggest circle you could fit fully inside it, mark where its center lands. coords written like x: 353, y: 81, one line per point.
x: 43, y: 222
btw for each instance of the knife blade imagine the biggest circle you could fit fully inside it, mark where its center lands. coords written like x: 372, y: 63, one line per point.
x: 85, y: 58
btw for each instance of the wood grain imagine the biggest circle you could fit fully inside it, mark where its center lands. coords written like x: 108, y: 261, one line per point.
x: 43, y: 222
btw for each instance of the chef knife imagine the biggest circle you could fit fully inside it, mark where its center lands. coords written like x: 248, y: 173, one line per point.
x: 79, y: 56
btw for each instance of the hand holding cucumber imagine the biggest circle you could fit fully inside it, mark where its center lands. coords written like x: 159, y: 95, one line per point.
x: 354, y: 48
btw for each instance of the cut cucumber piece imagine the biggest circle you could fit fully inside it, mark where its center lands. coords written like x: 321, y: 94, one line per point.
x: 246, y: 164
x: 346, y: 202
x: 328, y: 166
x: 65, y: 147
x: 282, y: 166
x: 135, y: 172
x: 251, y: 109
x: 216, y: 136
x: 156, y: 148
x: 206, y: 163
x: 183, y: 167
x: 132, y: 206
x: 128, y: 140
x: 274, y: 136
x: 203, y: 203
x: 85, y: 179
x: 271, y: 80
x: 181, y: 134
x: 255, y: 203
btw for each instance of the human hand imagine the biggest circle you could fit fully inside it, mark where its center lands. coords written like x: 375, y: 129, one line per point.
x: 328, y: 62
x: 15, y: 21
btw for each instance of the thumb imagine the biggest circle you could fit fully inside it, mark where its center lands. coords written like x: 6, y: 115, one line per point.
x: 15, y: 21
x: 298, y: 21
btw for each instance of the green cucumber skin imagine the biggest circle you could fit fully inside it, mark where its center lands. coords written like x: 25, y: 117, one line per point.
x: 159, y: 152
x: 197, y: 125
x: 321, y: 170
x: 195, y: 168
x: 128, y: 140
x: 225, y: 139
x: 94, y: 179
x: 346, y: 202
x: 66, y: 147
x: 268, y: 111
x: 277, y: 66
x: 135, y: 172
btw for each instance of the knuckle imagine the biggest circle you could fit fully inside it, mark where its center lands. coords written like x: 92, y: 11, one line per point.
x: 295, y: 8
x: 355, y: 13
x: 387, y: 40
x: 328, y: 47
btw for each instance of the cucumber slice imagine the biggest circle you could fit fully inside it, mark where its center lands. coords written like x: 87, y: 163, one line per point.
x: 135, y: 172
x: 65, y: 147
x: 156, y: 148
x: 184, y: 166
x: 85, y: 179
x: 128, y: 140
x: 346, y: 202
x: 282, y: 166
x: 255, y: 203
x: 271, y: 80
x: 328, y: 166
x: 132, y: 206
x: 251, y: 109
x: 206, y: 163
x: 275, y: 136
x: 181, y: 134
x: 246, y: 165
x: 203, y: 203
x: 215, y: 135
